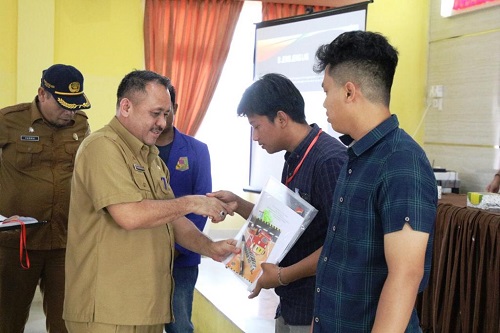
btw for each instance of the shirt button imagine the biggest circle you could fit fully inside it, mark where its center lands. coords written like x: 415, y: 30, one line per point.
x: 350, y: 171
x: 317, y: 290
x: 334, y: 228
x: 407, y: 219
x: 316, y: 319
x: 325, y: 259
x: 341, y: 199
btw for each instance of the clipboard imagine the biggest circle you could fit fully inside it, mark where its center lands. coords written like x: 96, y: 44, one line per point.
x: 28, y: 222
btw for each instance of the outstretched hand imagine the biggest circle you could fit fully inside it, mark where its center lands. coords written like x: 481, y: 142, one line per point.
x: 494, y: 186
x: 212, y: 207
x: 224, y: 196
x: 220, y: 250
x: 267, y: 280
x: 243, y: 207
x: 229, y: 209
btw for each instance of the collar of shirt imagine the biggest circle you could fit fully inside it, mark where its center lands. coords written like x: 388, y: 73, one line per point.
x: 147, y: 153
x: 369, y: 140
x: 36, y: 114
x: 294, y: 157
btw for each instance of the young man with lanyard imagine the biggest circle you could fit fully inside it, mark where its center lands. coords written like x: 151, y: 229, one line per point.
x: 275, y: 110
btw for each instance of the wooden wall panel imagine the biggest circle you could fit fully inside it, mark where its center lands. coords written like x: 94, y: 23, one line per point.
x: 467, y: 23
x: 468, y: 68
x: 473, y: 164
x: 464, y: 58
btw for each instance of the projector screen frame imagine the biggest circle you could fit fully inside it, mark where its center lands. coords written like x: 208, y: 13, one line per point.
x: 255, y: 155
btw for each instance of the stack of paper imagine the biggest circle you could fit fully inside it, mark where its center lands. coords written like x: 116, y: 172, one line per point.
x: 278, y: 219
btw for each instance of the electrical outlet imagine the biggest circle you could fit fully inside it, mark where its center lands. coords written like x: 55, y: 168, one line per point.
x: 431, y: 92
x: 438, y: 90
x: 437, y: 103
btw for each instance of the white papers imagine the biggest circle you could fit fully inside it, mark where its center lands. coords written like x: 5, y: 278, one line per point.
x: 278, y: 219
x: 12, y: 222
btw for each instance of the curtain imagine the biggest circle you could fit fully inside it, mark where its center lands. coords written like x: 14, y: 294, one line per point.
x: 463, y: 291
x: 188, y: 41
x: 273, y: 11
x: 462, y: 4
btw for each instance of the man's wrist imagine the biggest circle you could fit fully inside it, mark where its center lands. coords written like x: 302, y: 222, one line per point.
x: 280, y: 281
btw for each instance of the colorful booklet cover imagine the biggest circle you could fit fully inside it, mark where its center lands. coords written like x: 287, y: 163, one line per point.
x: 278, y: 219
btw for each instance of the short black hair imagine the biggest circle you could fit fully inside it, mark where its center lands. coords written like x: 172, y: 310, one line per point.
x: 364, y: 57
x: 272, y: 93
x: 136, y: 81
x: 173, y: 94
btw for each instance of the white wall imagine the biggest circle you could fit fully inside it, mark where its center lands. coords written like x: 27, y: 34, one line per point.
x: 226, y: 134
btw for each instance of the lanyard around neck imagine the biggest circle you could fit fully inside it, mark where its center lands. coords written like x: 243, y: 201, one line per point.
x: 313, y: 142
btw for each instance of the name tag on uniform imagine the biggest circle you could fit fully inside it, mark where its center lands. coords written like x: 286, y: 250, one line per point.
x: 138, y: 167
x: 30, y: 138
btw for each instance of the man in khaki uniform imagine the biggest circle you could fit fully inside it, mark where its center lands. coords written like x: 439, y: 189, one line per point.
x: 122, y: 227
x: 38, y: 144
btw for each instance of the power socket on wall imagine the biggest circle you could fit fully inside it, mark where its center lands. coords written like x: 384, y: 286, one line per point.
x: 436, y: 91
x: 436, y: 94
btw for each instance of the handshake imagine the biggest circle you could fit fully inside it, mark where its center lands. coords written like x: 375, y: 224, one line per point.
x: 217, y: 205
